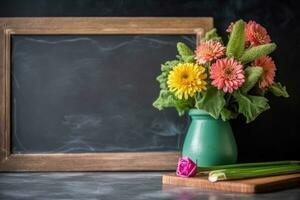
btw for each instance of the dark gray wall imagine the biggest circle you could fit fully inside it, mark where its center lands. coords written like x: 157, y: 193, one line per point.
x: 275, y: 134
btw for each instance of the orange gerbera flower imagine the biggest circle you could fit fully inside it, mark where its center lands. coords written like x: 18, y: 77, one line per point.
x: 269, y: 68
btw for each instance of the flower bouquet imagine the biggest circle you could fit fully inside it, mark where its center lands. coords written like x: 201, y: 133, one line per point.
x: 216, y: 83
x: 222, y: 80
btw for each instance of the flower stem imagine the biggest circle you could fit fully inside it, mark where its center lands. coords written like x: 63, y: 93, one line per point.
x: 240, y: 173
x: 257, y: 164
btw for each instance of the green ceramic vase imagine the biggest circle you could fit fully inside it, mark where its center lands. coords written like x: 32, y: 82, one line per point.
x: 209, y: 141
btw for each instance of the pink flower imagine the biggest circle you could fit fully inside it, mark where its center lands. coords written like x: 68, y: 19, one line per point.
x: 256, y: 34
x: 227, y: 74
x: 269, y: 68
x: 208, y: 51
x: 186, y: 167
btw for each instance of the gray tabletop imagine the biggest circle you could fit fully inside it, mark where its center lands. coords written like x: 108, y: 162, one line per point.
x: 113, y: 186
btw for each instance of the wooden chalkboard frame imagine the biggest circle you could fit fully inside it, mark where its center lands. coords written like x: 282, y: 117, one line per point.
x: 138, y: 161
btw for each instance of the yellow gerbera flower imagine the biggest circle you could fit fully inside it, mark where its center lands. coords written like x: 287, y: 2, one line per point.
x: 186, y: 79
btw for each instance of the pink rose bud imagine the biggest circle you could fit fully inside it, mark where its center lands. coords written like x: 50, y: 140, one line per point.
x: 186, y: 167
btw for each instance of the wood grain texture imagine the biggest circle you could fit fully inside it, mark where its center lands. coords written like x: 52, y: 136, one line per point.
x: 139, y: 161
x: 107, y: 25
x: 148, y: 161
x: 254, y: 185
x: 2, y: 95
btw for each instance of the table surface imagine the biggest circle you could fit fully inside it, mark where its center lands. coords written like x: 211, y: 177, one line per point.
x: 113, y: 186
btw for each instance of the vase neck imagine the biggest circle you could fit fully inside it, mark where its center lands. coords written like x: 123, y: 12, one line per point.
x: 202, y: 117
x: 200, y: 114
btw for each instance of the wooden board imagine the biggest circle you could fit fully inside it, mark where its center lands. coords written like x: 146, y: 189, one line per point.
x: 254, y: 185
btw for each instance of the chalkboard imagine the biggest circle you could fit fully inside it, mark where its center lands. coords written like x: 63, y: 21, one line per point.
x: 91, y: 93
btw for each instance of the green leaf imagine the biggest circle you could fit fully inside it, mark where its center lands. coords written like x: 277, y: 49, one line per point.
x: 212, y: 35
x: 166, y: 99
x: 188, y: 58
x: 184, y: 50
x: 168, y: 65
x: 212, y: 101
x: 278, y: 90
x: 251, y: 106
x: 256, y: 52
x: 227, y: 114
x: 163, y: 77
x: 252, y: 74
x: 236, y: 43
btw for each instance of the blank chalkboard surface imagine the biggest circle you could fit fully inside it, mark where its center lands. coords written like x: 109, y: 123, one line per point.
x: 92, y: 93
